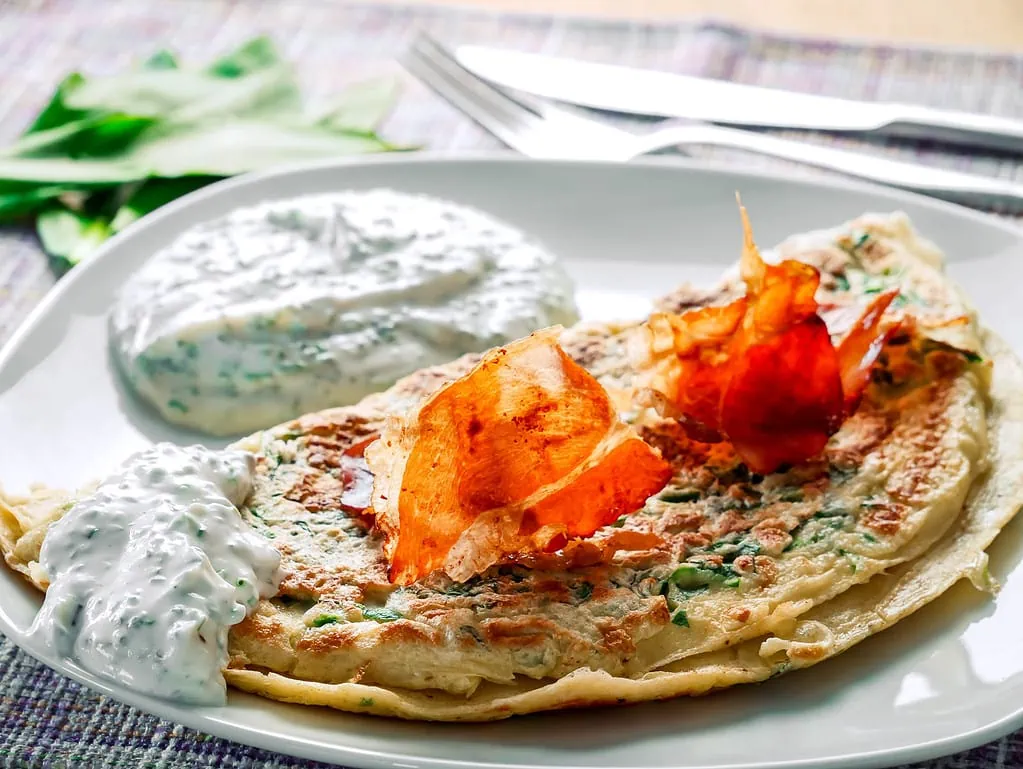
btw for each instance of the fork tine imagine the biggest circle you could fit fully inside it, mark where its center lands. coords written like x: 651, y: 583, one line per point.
x: 536, y: 128
x: 493, y: 110
x: 528, y: 101
x: 441, y: 53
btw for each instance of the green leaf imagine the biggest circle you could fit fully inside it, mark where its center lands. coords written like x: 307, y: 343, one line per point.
x: 70, y: 237
x: 680, y: 618
x: 57, y: 113
x: 258, y: 53
x: 272, y: 92
x: 161, y: 60
x: 162, y: 93
x: 56, y: 170
x: 89, y: 137
x: 14, y: 205
x: 155, y: 193
x: 234, y: 147
x: 223, y: 149
x: 362, y: 107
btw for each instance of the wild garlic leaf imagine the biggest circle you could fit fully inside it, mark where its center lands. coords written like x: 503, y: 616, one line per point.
x: 252, y: 56
x: 154, y: 193
x: 18, y: 204
x: 69, y: 236
x: 362, y: 106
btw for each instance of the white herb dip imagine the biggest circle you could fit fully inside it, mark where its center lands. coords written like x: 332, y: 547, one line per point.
x: 294, y: 306
x: 148, y: 573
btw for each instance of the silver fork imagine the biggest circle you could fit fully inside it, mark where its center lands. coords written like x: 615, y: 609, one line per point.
x: 538, y: 129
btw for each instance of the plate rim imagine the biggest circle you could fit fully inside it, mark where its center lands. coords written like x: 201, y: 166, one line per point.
x: 207, y: 719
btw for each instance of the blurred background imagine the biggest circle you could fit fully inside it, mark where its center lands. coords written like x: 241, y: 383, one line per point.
x: 988, y: 23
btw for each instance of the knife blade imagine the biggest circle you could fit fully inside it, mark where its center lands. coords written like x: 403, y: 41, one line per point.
x: 636, y: 91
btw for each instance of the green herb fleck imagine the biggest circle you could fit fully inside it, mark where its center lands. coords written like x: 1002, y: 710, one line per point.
x: 689, y: 575
x: 831, y: 511
x: 366, y: 702
x: 791, y: 495
x: 679, y: 618
x: 874, y: 284
x: 381, y: 614
x: 326, y: 619
x: 679, y: 495
x: 174, y: 403
x: 869, y: 537
x: 748, y: 547
x: 583, y: 591
x: 841, y: 283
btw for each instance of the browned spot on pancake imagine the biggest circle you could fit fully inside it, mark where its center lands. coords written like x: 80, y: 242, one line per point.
x: 587, y: 350
x: 340, y: 427
x: 739, y: 613
x: 766, y: 569
x: 262, y: 626
x: 329, y: 638
x: 688, y: 297
x: 316, y: 492
x: 772, y: 536
x: 918, y: 438
x: 615, y: 638
x: 730, y: 521
x: 319, y: 580
x: 427, y: 381
x: 680, y: 519
x: 693, y: 539
x: 744, y: 564
x: 669, y: 437
x: 402, y: 631
x: 884, y: 518
x: 642, y: 559
x: 518, y: 632
x: 807, y: 652
x: 860, y: 436
x: 658, y: 613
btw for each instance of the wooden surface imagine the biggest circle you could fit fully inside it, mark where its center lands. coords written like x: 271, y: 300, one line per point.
x: 973, y: 23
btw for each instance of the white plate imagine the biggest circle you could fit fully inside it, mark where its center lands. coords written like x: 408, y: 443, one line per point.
x: 946, y: 679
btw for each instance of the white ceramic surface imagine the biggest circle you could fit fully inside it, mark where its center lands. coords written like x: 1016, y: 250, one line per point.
x: 946, y: 679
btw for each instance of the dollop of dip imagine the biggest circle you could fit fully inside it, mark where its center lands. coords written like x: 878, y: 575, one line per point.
x: 297, y: 305
x: 147, y: 574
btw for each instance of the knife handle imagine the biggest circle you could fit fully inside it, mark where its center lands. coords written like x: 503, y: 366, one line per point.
x: 955, y: 186
x: 912, y: 122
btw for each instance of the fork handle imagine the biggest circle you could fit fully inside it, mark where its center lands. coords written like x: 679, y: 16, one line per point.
x: 956, y: 186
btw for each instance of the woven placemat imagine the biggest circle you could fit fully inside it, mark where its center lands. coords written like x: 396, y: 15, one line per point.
x: 49, y: 721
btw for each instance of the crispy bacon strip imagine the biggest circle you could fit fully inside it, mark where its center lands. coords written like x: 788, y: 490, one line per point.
x: 859, y: 350
x: 761, y: 372
x: 521, y: 455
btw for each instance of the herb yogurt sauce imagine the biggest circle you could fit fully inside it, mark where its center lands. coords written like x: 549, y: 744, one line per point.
x: 148, y: 573
x: 294, y: 306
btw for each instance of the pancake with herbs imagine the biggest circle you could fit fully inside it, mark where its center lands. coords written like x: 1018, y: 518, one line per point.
x: 726, y: 576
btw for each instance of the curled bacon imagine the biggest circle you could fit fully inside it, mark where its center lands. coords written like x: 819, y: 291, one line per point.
x: 760, y: 372
x: 520, y: 455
